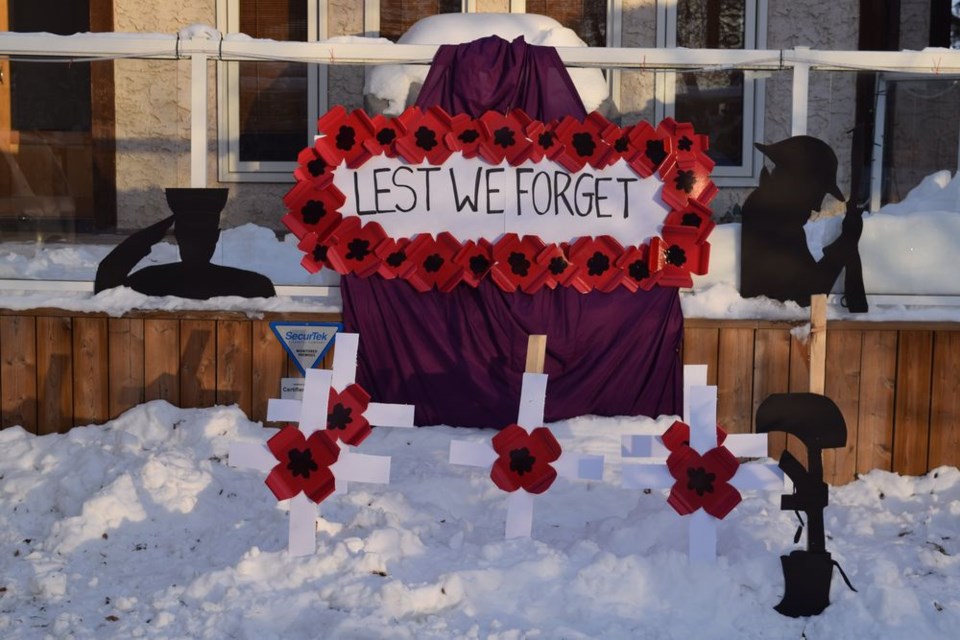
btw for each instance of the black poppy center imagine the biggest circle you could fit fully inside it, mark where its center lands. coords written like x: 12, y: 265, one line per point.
x: 320, y: 253
x: 621, y: 144
x: 521, y: 461
x: 433, y: 263
x: 676, y: 256
x: 479, y: 264
x: 598, y: 264
x: 546, y: 139
x: 685, y: 144
x: 426, y: 138
x: 558, y: 265
x: 396, y: 259
x: 340, y: 417
x: 313, y: 211
x: 346, y: 138
x: 316, y: 167
x: 700, y: 480
x: 691, y: 220
x: 519, y: 264
x: 686, y: 180
x: 655, y: 152
x: 358, y: 249
x: 468, y: 136
x: 301, y: 463
x: 386, y: 136
x: 504, y: 137
x: 584, y: 144
x: 639, y: 270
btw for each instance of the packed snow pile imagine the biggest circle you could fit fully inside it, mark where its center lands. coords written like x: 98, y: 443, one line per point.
x: 393, y: 83
x: 140, y: 528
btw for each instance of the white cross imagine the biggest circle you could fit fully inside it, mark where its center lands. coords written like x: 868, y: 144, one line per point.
x: 310, y: 414
x: 700, y: 413
x: 529, y: 416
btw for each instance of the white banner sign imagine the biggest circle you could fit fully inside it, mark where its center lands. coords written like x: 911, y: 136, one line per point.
x: 473, y: 199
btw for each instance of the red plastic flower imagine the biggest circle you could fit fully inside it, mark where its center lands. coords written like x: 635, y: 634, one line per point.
x: 506, y: 138
x: 597, y: 258
x: 524, y: 459
x: 345, y: 419
x: 346, y: 135
x: 303, y: 464
x: 678, y: 254
x: 637, y: 274
x: 352, y: 247
x: 703, y: 481
x: 476, y: 259
x: 427, y: 138
x: 434, y: 263
x: 515, y: 263
x: 583, y: 143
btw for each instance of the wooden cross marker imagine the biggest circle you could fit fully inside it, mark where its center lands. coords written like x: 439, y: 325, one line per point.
x: 700, y: 413
x: 529, y: 416
x: 310, y: 414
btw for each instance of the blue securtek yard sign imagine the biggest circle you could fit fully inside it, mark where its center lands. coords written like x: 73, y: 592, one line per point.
x: 306, y: 342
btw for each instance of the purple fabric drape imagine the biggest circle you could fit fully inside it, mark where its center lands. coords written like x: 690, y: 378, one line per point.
x: 459, y: 356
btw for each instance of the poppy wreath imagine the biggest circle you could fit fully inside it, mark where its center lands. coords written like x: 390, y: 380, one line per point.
x: 702, y: 481
x: 303, y: 464
x: 334, y: 239
x: 523, y: 459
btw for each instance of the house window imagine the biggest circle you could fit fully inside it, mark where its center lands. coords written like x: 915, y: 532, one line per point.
x: 727, y: 105
x: 271, y: 107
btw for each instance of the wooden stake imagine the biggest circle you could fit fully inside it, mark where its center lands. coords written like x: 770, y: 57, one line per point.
x: 536, y: 353
x: 818, y: 343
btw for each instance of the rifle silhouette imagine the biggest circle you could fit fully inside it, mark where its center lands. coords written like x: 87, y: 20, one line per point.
x: 817, y: 422
x: 854, y: 295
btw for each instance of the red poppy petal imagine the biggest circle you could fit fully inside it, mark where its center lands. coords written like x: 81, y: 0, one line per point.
x: 721, y: 462
x: 319, y: 485
x: 722, y: 501
x: 284, y: 440
x: 540, y: 479
x: 546, y: 444
x: 502, y: 476
x: 684, y: 501
x: 323, y: 448
x: 282, y: 483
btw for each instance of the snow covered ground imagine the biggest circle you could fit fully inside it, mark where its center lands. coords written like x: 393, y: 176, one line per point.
x: 139, y: 528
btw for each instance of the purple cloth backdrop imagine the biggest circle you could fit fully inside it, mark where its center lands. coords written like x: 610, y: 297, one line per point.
x: 459, y: 356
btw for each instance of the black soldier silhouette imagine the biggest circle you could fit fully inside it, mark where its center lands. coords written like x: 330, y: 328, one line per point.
x: 196, y: 226
x: 774, y: 258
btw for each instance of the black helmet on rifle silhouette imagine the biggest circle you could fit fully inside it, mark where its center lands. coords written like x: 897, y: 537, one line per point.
x: 808, y: 158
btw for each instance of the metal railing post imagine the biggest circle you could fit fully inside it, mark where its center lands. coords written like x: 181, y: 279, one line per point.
x: 198, y: 120
x: 800, y: 96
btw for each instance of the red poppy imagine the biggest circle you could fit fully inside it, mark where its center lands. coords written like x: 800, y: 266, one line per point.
x: 303, y: 464
x: 345, y: 419
x: 315, y: 251
x: 560, y: 270
x: 597, y: 258
x: 678, y: 254
x: 476, y: 259
x: 703, y: 481
x: 635, y: 265
x: 345, y: 136
x: 524, y: 459
x: 433, y: 261
x: 515, y: 266
x: 313, y: 206
x: 427, y: 138
x: 352, y: 247
x: 650, y: 148
x: 394, y: 261
x: 695, y: 215
x: 505, y: 139
x: 582, y: 143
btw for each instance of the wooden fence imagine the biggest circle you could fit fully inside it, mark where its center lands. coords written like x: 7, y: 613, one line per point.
x: 897, y: 384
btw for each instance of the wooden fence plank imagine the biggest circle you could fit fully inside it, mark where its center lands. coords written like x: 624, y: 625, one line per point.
x: 54, y: 374
x: 911, y: 428
x: 945, y: 401
x: 771, y: 374
x: 234, y: 357
x: 702, y: 346
x: 126, y: 364
x: 735, y: 380
x: 90, y: 368
x: 842, y: 385
x: 878, y: 373
x: 198, y: 366
x: 18, y: 372
x: 269, y: 360
x: 161, y: 360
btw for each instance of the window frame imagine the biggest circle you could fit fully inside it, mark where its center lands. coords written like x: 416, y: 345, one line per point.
x: 746, y: 174
x: 230, y: 168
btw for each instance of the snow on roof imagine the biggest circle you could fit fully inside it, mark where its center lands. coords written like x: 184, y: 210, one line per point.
x: 392, y: 83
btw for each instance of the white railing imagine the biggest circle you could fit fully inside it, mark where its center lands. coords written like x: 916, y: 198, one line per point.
x: 200, y: 44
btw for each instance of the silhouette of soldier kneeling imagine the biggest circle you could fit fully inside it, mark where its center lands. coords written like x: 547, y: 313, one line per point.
x: 196, y: 222
x: 774, y: 258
